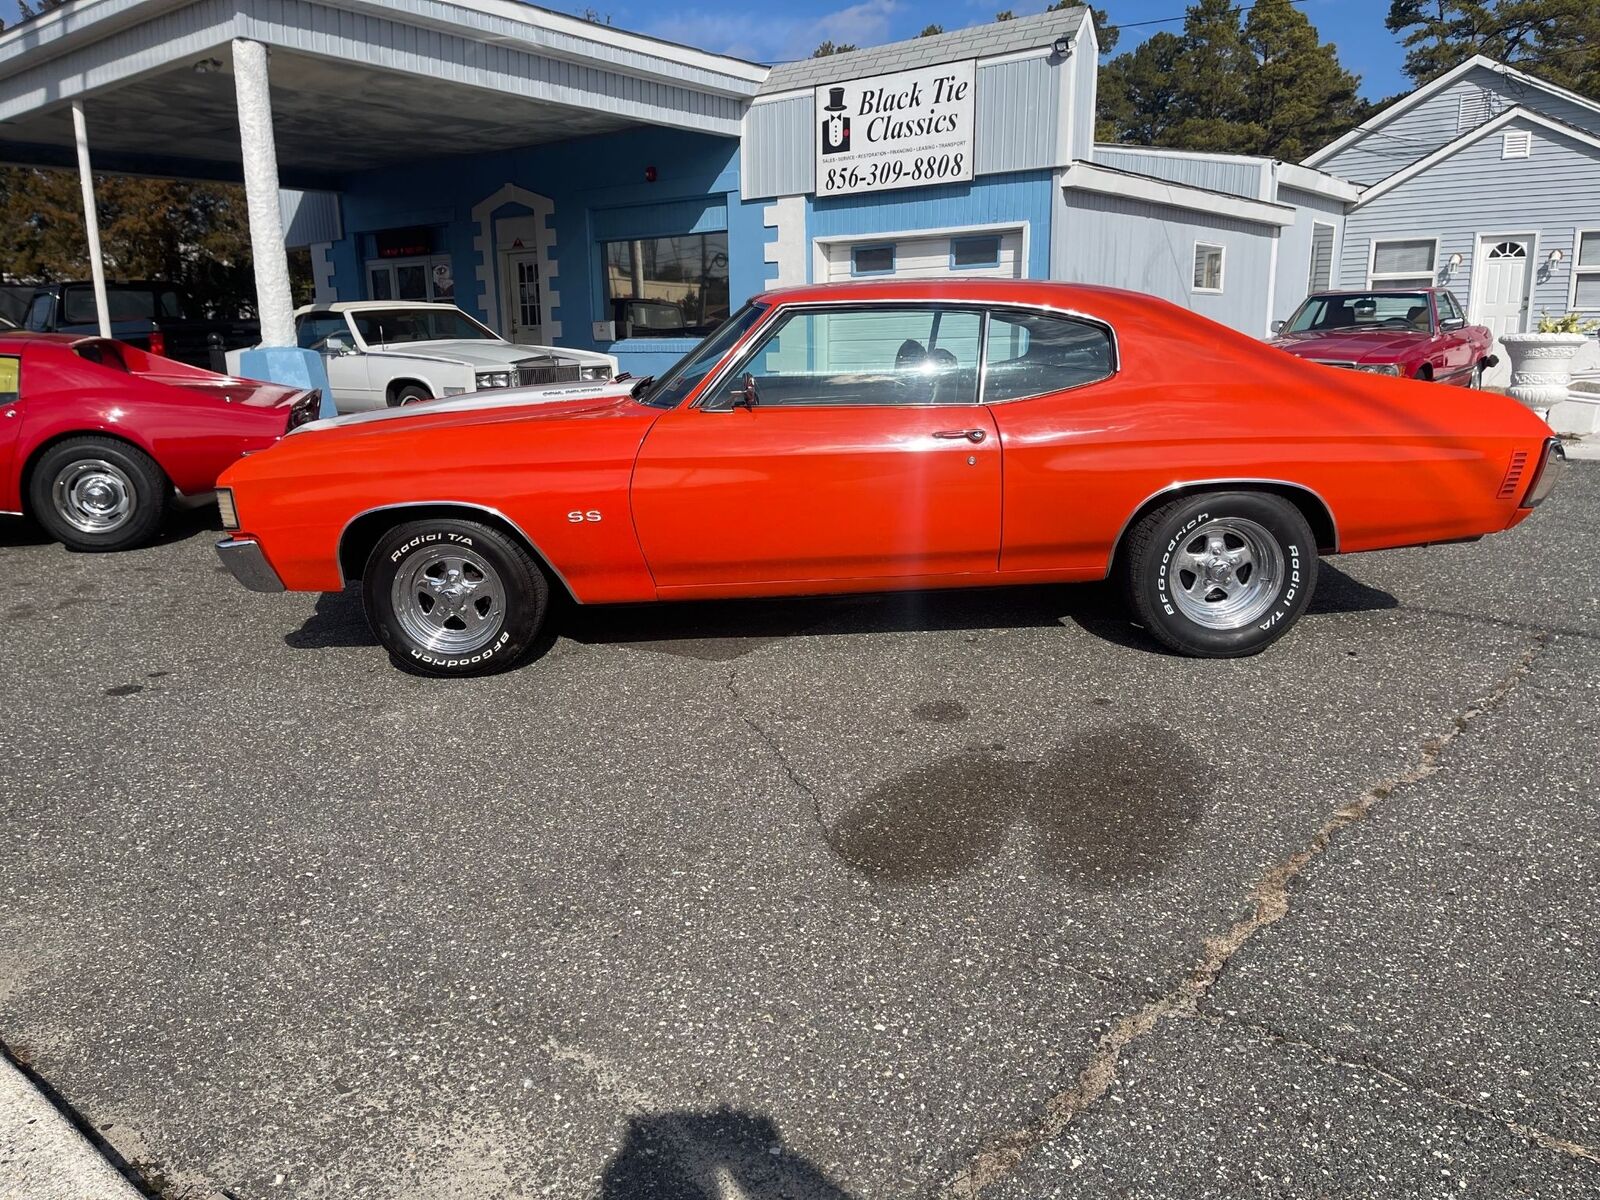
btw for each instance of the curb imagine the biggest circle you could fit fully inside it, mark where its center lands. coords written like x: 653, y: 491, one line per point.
x: 42, y: 1156
x: 1584, y: 451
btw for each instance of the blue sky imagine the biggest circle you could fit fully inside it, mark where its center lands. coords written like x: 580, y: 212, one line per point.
x: 769, y: 31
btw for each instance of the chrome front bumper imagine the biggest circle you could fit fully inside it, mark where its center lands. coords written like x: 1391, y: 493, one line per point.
x: 247, y: 564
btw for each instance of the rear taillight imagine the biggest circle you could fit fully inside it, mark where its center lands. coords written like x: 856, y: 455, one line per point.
x: 1551, y: 464
x: 158, y: 343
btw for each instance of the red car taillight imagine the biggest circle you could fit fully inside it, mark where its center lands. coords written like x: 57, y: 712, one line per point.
x: 158, y: 343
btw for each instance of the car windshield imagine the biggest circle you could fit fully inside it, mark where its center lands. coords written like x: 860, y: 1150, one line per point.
x: 389, y: 326
x: 1362, y: 310
x: 685, y: 374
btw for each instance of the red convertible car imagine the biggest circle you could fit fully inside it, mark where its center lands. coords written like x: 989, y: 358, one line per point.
x: 1417, y: 333
x: 878, y: 436
x: 98, y: 438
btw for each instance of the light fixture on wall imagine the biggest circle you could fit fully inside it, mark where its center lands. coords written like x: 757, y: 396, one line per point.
x: 1062, y: 46
x: 1555, y: 257
x: 1456, y: 260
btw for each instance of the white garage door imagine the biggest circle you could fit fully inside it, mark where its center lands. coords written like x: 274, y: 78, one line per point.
x: 997, y: 255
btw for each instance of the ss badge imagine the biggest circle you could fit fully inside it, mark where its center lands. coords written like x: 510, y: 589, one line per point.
x: 579, y: 516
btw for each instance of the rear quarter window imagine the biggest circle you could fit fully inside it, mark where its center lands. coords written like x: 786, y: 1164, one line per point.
x: 1034, y: 354
x: 10, y: 377
x: 102, y: 354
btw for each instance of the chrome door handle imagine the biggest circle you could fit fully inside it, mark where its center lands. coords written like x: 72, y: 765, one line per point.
x: 972, y: 435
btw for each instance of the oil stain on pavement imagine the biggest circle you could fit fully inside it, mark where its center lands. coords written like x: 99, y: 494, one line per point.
x: 1110, y: 805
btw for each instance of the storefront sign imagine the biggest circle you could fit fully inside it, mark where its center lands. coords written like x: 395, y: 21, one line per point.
x: 404, y: 243
x: 908, y: 129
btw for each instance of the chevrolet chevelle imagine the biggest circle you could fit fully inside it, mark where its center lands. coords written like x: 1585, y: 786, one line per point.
x: 881, y: 436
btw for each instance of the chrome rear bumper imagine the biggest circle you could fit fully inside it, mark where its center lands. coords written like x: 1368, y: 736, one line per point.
x: 247, y: 564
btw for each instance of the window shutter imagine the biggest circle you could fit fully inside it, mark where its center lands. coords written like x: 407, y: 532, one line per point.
x: 1321, y: 258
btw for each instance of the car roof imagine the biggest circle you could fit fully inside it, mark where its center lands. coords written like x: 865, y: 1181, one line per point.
x: 1094, y: 300
x: 366, y: 305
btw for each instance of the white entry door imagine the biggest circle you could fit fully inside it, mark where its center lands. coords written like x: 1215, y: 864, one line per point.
x: 524, y: 297
x: 1500, y: 294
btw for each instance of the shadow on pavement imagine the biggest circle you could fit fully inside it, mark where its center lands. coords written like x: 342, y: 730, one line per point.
x: 711, y: 1156
x: 724, y: 630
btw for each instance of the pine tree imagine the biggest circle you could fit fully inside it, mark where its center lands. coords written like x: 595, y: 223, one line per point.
x: 931, y: 31
x: 1558, y: 40
x: 1299, y: 97
x: 1139, y: 92
x: 827, y: 49
x: 1212, y: 81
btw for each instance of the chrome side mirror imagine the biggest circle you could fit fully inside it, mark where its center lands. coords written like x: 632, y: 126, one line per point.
x: 1277, y: 326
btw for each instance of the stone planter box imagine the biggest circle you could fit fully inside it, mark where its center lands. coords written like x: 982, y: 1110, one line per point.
x: 1541, y: 366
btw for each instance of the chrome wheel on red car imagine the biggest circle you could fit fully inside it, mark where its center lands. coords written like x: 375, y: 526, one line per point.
x: 1220, y: 574
x: 98, y: 493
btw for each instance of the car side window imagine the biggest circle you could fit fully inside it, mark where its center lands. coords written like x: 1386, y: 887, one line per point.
x: 38, y: 318
x: 313, y: 328
x: 866, y: 356
x: 10, y: 378
x: 1449, y: 310
x: 1033, y: 354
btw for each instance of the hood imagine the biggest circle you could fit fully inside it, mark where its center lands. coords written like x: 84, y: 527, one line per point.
x: 485, y: 355
x: 1354, y: 345
x: 555, y: 399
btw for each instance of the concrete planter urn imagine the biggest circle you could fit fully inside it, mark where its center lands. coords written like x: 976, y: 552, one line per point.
x: 1541, y: 366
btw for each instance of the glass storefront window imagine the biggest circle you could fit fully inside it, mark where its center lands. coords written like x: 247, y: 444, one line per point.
x: 668, y: 286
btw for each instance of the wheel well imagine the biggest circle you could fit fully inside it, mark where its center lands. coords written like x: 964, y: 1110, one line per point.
x: 1308, y: 502
x: 362, y: 534
x: 44, y: 447
x: 396, y: 384
x: 1425, y: 371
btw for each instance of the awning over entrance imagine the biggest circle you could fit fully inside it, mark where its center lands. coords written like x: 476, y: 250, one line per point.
x: 355, y: 84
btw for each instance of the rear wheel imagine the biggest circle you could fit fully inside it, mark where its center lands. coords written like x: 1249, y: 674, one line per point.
x: 452, y: 597
x: 1220, y: 575
x: 1476, y: 382
x: 98, y: 493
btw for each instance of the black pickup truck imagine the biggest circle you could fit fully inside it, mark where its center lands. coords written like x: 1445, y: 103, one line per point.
x: 157, y: 317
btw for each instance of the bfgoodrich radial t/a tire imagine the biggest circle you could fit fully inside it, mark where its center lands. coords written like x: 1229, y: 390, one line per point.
x: 1220, y: 575
x: 453, y: 597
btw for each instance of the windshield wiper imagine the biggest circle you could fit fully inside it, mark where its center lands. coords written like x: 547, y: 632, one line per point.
x: 640, y: 386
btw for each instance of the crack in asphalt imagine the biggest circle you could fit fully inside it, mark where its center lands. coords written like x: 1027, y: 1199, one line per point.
x: 1004, y: 1153
x: 772, y: 744
x: 1531, y: 1133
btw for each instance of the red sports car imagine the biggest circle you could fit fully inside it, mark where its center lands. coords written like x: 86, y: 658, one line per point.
x: 97, y: 438
x: 879, y: 436
x: 1417, y: 333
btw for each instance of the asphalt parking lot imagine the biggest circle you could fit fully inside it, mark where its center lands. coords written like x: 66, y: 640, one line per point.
x: 928, y: 896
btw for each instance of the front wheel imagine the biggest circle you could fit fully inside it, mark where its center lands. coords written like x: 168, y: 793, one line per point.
x: 453, y: 597
x: 411, y: 393
x: 1221, y: 575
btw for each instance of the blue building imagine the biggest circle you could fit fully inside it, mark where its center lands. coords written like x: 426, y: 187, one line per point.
x: 571, y: 183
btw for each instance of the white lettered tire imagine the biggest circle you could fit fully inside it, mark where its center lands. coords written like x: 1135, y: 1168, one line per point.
x: 1220, y: 575
x: 453, y: 597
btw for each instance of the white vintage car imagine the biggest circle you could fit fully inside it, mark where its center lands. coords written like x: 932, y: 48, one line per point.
x: 381, y: 353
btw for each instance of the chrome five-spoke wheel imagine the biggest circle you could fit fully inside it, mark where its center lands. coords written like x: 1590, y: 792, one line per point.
x: 449, y: 599
x: 93, y: 495
x: 1227, y: 574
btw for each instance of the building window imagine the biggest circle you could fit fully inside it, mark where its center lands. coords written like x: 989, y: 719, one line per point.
x: 1403, y: 264
x: 872, y: 260
x: 967, y: 253
x: 1586, y: 272
x: 1207, y: 267
x: 667, y: 286
x: 1321, y: 277
x: 1516, y: 143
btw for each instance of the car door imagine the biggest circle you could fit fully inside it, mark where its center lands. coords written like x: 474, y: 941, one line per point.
x: 846, y: 447
x: 349, y: 373
x: 1454, y: 352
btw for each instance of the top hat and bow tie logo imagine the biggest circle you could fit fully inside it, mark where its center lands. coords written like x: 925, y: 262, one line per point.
x: 835, y: 125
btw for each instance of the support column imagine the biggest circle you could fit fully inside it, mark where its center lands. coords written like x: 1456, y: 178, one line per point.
x: 277, y: 358
x: 260, y: 152
x: 91, y: 220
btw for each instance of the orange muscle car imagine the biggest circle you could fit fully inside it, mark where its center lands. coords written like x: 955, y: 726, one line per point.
x: 892, y: 435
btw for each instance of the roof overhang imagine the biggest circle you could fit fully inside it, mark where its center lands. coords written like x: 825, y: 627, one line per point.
x: 1107, y: 181
x: 1383, y: 187
x: 1433, y: 87
x: 356, y: 83
x: 1318, y: 183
